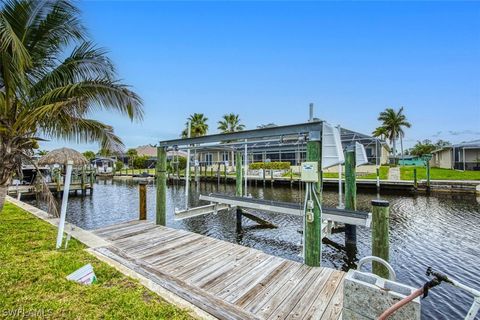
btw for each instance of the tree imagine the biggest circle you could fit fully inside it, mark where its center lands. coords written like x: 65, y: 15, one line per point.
x: 90, y: 155
x: 118, y: 165
x: 393, y: 123
x: 140, y: 162
x: 51, y: 80
x: 380, y: 132
x: 422, y: 148
x: 198, y: 126
x: 230, y: 123
x: 132, y: 154
x: 42, y: 152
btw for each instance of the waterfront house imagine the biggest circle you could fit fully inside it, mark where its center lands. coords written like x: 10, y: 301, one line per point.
x: 461, y: 156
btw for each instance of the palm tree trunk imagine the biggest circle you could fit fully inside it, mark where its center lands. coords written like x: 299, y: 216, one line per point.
x: 401, y: 148
x: 394, y: 151
x: 3, y: 194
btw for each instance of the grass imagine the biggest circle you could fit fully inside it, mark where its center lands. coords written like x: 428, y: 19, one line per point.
x: 32, y: 278
x: 406, y: 173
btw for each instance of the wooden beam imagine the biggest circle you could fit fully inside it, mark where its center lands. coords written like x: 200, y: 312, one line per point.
x: 199, y: 211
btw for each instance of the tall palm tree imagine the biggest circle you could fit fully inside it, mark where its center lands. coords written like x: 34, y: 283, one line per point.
x: 230, y: 123
x: 198, y: 125
x: 380, y: 132
x: 51, y: 81
x: 393, y: 123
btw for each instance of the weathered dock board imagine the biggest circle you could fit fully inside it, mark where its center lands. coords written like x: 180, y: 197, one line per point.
x: 228, y: 281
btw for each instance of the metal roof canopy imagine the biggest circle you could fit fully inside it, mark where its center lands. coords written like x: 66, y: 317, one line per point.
x: 257, y: 139
x: 312, y: 129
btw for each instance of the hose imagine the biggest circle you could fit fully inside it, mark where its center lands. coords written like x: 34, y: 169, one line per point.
x: 387, y: 313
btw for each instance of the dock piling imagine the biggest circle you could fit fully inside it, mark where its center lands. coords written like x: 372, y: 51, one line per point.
x: 142, y: 190
x: 415, y: 182
x: 161, y: 209
x: 313, y: 230
x: 350, y: 194
x: 380, y: 238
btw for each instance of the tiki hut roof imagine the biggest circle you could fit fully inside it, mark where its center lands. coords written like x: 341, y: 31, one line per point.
x: 62, y: 156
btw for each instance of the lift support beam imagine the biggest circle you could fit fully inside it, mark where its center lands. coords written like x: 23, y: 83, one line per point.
x: 330, y: 214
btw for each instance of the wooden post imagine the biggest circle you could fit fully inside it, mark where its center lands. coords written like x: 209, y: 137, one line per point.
x: 161, y: 216
x: 415, y: 182
x: 218, y: 173
x: 224, y: 173
x: 271, y: 177
x: 239, y: 184
x: 428, y: 176
x: 291, y: 176
x: 380, y: 241
x: 83, y: 179
x: 350, y: 193
x: 142, y: 189
x: 313, y: 230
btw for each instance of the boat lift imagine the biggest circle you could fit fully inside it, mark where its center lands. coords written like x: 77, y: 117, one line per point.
x: 329, y: 153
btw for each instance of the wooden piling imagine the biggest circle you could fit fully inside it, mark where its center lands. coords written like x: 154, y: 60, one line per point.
x: 415, y: 182
x: 142, y: 190
x: 161, y: 209
x: 428, y: 176
x: 313, y: 230
x: 380, y: 238
x: 350, y: 193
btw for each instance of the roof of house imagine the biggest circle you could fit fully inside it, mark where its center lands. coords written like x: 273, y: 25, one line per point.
x: 151, y: 151
x: 465, y: 144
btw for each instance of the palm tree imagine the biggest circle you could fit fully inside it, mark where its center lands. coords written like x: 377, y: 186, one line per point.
x: 230, y: 123
x: 393, y: 123
x: 51, y: 80
x: 132, y: 154
x: 198, y: 126
x: 380, y: 132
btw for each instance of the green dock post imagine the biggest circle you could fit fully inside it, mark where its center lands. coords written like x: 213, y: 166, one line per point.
x: 415, y: 182
x: 238, y: 186
x: 83, y: 181
x: 350, y: 193
x: 161, y: 216
x: 428, y: 176
x: 380, y: 239
x: 313, y: 230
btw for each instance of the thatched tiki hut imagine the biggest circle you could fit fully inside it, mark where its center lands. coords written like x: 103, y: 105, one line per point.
x: 61, y: 157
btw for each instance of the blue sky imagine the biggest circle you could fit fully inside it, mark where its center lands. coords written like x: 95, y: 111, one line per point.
x: 268, y: 60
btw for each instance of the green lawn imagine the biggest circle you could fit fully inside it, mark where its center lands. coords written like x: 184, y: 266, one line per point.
x: 32, y: 278
x: 406, y: 173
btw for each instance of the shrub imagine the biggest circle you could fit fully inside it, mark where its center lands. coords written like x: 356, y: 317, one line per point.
x: 118, y: 165
x: 270, y: 166
x: 140, y: 162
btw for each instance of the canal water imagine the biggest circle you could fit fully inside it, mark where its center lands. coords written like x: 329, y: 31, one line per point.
x: 440, y: 231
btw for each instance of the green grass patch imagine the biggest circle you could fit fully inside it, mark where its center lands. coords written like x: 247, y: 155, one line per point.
x: 32, y: 278
x: 406, y: 173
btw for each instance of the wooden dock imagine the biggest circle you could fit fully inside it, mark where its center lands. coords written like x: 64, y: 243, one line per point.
x: 226, y: 280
